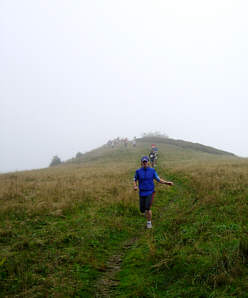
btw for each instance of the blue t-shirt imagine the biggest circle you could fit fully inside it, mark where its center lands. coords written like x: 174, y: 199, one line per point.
x: 145, y: 177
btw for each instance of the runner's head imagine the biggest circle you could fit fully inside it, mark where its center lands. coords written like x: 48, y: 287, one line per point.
x: 145, y: 161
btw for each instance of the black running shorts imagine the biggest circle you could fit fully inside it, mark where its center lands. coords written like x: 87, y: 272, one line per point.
x: 146, y: 202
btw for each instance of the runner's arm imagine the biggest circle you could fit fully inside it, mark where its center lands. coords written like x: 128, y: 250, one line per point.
x: 135, y: 187
x: 161, y: 180
x: 166, y: 182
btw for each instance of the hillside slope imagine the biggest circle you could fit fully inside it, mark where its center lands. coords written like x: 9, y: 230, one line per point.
x: 75, y: 230
x: 169, y: 150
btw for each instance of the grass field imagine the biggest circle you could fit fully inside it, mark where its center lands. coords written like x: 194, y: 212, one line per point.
x: 75, y: 230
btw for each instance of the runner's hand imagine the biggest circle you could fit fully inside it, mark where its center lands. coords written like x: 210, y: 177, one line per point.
x: 170, y: 183
x: 135, y: 188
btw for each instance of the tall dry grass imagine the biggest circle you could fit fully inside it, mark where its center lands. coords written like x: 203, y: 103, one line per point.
x: 58, y: 226
x: 56, y: 189
x: 210, y: 180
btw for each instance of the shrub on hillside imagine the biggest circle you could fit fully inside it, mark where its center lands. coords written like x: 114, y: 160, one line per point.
x: 79, y: 155
x: 55, y: 161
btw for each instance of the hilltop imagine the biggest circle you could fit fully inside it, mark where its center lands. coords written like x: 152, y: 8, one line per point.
x: 169, y: 150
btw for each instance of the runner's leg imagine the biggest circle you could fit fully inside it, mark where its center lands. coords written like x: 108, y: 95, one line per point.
x: 149, y: 215
x: 148, y: 204
x: 142, y: 205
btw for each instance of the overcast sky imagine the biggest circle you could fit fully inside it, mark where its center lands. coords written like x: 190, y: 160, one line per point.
x: 74, y: 74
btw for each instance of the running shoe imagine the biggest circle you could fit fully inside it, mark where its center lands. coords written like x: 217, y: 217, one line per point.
x: 149, y: 225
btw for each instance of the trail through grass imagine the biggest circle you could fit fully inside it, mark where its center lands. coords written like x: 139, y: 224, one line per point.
x: 107, y: 283
x: 130, y: 269
x: 194, y: 250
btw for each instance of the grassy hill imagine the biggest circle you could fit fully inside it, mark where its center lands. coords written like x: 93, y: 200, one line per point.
x: 75, y: 229
x: 169, y: 149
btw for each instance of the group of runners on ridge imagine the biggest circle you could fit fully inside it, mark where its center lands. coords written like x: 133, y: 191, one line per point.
x: 121, y: 141
x: 144, y: 180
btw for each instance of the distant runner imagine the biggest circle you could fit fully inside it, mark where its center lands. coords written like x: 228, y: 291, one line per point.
x: 125, y: 142
x: 153, y: 155
x: 134, y: 142
x: 145, y: 175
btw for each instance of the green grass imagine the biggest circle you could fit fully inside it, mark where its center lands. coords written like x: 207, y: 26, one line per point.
x: 194, y: 250
x: 60, y: 227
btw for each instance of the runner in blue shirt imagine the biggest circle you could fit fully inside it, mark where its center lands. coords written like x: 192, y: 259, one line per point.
x: 145, y: 175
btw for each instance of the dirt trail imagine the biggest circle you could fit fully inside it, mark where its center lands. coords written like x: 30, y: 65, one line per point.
x: 106, y: 285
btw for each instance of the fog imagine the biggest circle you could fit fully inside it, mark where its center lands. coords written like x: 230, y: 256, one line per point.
x: 74, y: 74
